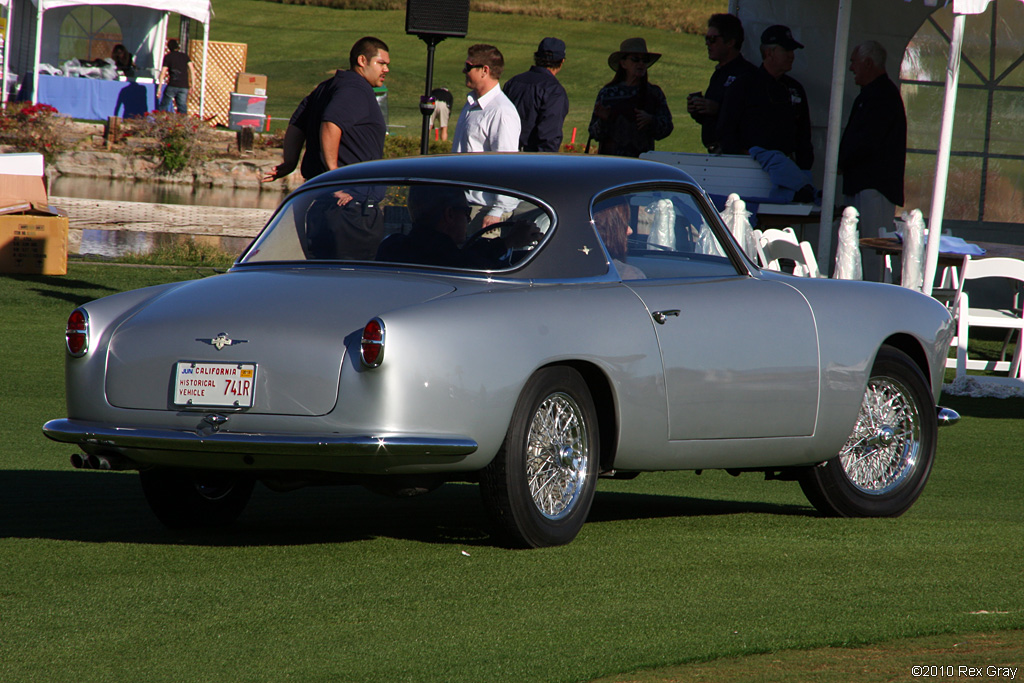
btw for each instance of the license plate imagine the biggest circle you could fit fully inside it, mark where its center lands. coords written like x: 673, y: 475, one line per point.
x: 231, y: 385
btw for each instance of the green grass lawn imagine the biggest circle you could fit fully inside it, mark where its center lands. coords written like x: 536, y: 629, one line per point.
x: 299, y: 46
x: 337, y: 584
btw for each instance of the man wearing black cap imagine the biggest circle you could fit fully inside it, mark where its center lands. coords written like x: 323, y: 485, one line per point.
x: 769, y: 111
x: 540, y: 99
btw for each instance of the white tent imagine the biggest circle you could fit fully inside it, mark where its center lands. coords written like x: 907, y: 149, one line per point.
x: 200, y: 10
x: 891, y: 22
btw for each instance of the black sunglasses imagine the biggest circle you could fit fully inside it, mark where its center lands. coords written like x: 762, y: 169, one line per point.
x: 709, y: 40
x: 469, y: 67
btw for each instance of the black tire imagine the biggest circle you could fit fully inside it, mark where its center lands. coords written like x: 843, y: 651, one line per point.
x: 194, y: 499
x: 884, y: 465
x: 553, y: 435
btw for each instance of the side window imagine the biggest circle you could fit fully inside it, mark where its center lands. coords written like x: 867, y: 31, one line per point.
x: 422, y: 224
x: 659, y: 234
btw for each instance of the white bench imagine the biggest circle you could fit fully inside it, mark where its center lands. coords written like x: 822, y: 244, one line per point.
x: 724, y: 174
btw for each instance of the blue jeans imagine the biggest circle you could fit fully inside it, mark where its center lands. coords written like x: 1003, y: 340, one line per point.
x: 178, y: 97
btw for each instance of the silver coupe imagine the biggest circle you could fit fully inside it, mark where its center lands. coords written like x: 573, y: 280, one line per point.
x: 527, y: 322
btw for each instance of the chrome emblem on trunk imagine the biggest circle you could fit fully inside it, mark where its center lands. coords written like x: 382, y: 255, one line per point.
x: 221, y: 340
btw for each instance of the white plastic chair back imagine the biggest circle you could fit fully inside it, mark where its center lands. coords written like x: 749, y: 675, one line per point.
x: 801, y: 254
x: 787, y: 234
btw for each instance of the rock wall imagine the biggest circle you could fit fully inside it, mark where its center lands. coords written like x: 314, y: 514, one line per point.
x: 226, y: 172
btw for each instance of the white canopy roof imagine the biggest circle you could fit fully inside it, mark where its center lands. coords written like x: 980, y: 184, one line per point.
x: 200, y: 10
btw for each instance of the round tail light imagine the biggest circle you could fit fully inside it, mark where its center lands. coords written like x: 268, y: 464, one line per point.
x: 77, y: 333
x: 371, y: 346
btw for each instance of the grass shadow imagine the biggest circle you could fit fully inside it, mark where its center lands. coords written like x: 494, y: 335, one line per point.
x: 106, y: 507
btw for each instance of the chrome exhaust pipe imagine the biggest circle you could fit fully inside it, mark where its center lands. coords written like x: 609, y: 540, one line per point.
x: 110, y: 463
x: 81, y: 461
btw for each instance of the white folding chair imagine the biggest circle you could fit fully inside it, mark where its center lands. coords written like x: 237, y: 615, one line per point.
x: 762, y: 237
x: 788, y: 234
x: 1009, y: 318
x: 801, y: 254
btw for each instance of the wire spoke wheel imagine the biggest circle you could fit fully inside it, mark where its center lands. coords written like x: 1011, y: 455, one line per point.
x: 885, y: 443
x: 884, y: 465
x: 539, y: 487
x: 556, y: 456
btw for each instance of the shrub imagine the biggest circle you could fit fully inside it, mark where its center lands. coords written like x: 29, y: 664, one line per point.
x: 33, y: 128
x: 177, y: 139
x: 186, y: 252
x: 409, y: 146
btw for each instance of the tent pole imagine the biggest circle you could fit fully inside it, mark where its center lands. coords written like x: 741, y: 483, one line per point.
x: 38, y: 53
x: 942, y: 157
x: 835, y: 119
x: 202, y: 78
x: 7, y: 52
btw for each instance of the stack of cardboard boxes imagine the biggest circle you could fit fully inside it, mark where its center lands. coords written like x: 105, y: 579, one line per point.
x: 249, y: 102
x: 33, y: 239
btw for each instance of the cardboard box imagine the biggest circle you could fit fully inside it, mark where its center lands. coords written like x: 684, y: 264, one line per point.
x: 251, y: 84
x: 21, y: 183
x: 34, y: 244
x: 248, y: 104
x: 238, y: 121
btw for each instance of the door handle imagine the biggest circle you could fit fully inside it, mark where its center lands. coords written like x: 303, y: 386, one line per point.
x: 661, y: 316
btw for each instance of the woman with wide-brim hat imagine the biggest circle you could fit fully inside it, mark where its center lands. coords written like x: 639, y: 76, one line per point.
x: 630, y: 112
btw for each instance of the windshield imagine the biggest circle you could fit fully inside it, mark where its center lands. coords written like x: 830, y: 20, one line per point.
x: 429, y: 224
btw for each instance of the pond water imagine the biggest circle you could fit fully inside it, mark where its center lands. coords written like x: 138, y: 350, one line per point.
x: 164, y: 193
x: 113, y: 243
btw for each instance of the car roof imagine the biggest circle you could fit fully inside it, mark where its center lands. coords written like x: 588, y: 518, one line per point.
x: 530, y: 173
x: 567, y: 182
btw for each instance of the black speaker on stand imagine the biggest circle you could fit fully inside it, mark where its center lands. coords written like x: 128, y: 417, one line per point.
x: 433, y: 21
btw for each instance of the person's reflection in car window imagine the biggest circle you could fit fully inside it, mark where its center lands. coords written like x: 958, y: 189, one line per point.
x: 440, y: 219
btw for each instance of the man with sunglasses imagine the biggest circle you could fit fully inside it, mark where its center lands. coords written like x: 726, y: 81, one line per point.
x: 489, y: 122
x: 724, y: 39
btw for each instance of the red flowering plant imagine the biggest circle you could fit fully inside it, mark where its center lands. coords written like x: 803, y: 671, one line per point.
x: 33, y: 128
x: 178, y: 139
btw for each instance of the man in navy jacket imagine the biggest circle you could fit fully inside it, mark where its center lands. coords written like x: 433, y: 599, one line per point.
x: 540, y: 99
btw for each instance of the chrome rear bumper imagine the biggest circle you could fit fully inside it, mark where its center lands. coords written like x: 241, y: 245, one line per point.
x: 128, y: 439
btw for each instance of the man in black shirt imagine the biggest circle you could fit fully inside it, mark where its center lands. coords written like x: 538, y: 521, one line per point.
x: 724, y: 39
x: 770, y: 110
x: 873, y: 150
x: 340, y: 123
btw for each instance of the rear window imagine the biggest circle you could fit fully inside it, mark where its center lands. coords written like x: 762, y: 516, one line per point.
x: 438, y: 225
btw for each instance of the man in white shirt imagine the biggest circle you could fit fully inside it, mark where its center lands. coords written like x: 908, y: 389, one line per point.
x: 489, y: 122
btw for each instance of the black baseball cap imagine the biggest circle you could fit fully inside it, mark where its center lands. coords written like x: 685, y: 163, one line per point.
x: 780, y: 35
x: 551, y: 48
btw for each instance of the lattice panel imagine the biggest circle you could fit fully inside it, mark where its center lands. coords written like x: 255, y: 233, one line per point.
x: 227, y: 60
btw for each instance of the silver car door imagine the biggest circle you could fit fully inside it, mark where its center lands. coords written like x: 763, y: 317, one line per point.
x: 740, y: 353
x: 740, y: 356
